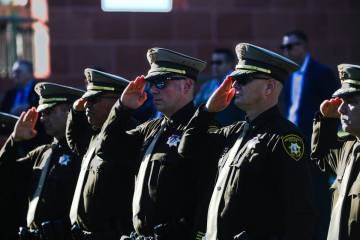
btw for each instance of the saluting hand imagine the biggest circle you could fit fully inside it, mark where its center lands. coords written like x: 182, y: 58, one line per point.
x: 329, y: 108
x: 222, y: 96
x: 25, y: 127
x: 134, y: 94
x: 79, y: 105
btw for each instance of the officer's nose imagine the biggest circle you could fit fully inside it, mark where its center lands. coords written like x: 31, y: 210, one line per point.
x: 87, y: 103
x: 343, y: 108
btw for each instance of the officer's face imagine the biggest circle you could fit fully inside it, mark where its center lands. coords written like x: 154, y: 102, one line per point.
x: 98, y: 108
x: 349, y: 111
x: 171, y: 97
x: 54, y: 120
x: 250, y: 93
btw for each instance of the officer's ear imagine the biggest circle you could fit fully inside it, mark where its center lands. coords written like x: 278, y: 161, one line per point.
x: 270, y: 87
x: 188, y: 85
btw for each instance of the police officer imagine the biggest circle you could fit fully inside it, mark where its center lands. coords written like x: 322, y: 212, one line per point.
x: 165, y: 197
x: 262, y: 190
x: 341, y: 155
x: 9, y: 206
x: 101, y: 207
x: 48, y: 173
x: 7, y: 123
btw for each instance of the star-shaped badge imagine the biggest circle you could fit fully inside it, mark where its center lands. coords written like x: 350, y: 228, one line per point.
x: 64, y: 160
x: 295, y: 148
x: 173, y: 140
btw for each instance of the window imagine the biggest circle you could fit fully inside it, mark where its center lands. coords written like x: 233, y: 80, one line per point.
x: 136, y: 5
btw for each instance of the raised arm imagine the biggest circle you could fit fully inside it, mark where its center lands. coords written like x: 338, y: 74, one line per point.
x: 78, y: 130
x: 325, y: 146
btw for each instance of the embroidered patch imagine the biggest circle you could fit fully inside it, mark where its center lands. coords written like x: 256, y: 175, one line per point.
x: 64, y: 160
x: 294, y: 146
x: 173, y: 140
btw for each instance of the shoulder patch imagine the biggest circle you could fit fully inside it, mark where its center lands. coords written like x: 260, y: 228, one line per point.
x: 294, y: 146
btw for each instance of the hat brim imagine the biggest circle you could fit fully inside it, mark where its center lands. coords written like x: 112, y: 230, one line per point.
x: 91, y: 93
x: 341, y: 92
x: 45, y: 106
x: 154, y: 75
x: 240, y: 72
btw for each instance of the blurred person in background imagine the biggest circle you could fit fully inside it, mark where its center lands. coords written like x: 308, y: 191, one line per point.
x: 22, y: 96
x: 222, y: 63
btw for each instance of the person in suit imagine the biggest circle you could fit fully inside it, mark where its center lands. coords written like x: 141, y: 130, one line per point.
x: 22, y: 96
x: 302, y: 95
x: 309, y: 86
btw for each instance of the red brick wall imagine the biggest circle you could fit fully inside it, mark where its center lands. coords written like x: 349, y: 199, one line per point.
x: 82, y: 35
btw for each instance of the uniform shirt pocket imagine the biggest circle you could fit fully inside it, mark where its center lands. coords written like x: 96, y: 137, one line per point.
x: 96, y: 168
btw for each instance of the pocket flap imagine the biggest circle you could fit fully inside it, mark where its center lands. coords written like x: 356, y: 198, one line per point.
x: 96, y: 163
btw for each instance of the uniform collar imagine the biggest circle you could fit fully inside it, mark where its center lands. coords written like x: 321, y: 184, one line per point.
x: 264, y: 117
x: 182, y: 116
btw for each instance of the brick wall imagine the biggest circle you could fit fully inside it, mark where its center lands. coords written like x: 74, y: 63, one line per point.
x: 82, y: 35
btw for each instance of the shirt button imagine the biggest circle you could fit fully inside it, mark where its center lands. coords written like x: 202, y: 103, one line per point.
x: 218, y: 188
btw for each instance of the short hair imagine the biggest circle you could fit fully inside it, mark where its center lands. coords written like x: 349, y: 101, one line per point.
x: 299, y: 34
x: 229, y: 55
x: 27, y: 64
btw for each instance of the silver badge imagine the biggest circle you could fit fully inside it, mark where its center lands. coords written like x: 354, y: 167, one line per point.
x: 64, y: 160
x: 173, y: 140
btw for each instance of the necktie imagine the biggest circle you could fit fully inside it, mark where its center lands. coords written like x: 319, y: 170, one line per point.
x: 37, y: 194
x: 212, y: 220
x: 335, y: 221
x: 138, y: 191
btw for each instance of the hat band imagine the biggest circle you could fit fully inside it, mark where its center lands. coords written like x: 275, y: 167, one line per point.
x: 165, y: 69
x: 101, y: 88
x: 350, y: 81
x: 250, y: 67
x: 51, y: 100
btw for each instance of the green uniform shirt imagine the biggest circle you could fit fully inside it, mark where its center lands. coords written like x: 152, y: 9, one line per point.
x: 333, y: 154
x: 55, y: 200
x: 267, y: 192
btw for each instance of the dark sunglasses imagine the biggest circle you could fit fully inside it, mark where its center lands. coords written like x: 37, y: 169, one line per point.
x: 289, y: 46
x: 244, y: 79
x: 161, y: 82
x: 217, y: 62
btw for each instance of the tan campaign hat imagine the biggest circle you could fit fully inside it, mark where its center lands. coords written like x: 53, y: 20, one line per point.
x: 254, y: 59
x: 349, y: 75
x: 101, y: 82
x: 167, y: 62
x: 51, y: 94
